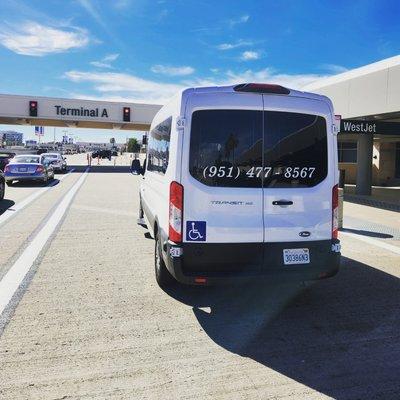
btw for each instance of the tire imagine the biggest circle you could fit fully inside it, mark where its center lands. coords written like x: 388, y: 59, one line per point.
x: 163, y: 277
x: 141, y: 213
x: 2, y: 190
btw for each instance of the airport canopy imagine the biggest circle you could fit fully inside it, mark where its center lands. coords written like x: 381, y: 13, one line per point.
x: 75, y: 113
x: 372, y: 91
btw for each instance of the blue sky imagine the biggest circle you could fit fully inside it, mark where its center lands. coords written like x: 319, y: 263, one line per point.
x: 140, y: 50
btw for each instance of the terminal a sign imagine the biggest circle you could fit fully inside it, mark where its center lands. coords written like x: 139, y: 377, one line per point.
x: 82, y: 112
x: 369, y: 127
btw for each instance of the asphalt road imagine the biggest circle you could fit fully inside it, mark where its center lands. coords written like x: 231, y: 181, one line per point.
x: 90, y: 322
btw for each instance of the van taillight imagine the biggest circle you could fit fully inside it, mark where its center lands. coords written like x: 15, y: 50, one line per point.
x: 261, y: 88
x: 335, y: 211
x: 175, y: 212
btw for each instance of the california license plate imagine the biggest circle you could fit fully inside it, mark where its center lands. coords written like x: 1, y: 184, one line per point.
x: 22, y: 169
x: 296, y: 256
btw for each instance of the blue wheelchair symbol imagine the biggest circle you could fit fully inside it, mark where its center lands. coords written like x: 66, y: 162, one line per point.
x: 196, y: 231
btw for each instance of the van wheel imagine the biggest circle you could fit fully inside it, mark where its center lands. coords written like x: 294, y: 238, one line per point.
x: 2, y: 190
x: 163, y: 277
x: 141, y: 213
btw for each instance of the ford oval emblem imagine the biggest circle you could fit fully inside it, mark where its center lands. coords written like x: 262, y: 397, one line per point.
x: 304, y: 234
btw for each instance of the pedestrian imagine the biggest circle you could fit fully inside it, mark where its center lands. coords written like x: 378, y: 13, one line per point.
x: 89, y: 159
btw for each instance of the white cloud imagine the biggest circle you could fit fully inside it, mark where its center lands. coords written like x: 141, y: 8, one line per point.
x: 106, y: 61
x: 334, y: 68
x: 241, y: 20
x: 250, y: 55
x: 34, y: 39
x: 122, y: 4
x: 230, y: 46
x: 269, y: 75
x: 172, y: 71
x: 92, y: 11
x: 113, y: 86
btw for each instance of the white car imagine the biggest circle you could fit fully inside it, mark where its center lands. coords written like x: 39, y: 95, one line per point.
x: 242, y: 182
x: 58, y: 162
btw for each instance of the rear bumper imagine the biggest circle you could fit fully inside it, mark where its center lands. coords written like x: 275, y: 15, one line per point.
x: 229, y: 262
x: 17, y: 177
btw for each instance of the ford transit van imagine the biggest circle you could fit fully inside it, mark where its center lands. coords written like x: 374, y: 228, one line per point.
x: 242, y: 182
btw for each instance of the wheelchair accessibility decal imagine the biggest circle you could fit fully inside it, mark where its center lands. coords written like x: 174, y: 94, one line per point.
x: 196, y: 231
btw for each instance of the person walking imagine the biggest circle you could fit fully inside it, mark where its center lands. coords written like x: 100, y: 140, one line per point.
x: 89, y: 159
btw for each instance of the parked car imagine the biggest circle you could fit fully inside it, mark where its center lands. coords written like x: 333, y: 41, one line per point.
x: 2, y: 185
x: 240, y: 182
x: 58, y: 162
x: 28, y: 168
x: 102, y: 154
x: 5, y: 158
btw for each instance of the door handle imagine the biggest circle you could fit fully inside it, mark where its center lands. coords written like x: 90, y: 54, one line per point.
x: 282, y: 203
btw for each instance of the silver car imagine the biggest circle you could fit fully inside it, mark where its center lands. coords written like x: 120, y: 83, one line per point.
x: 57, y: 161
x: 28, y: 168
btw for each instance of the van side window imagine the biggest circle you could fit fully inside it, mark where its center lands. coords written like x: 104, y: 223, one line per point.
x: 158, y: 147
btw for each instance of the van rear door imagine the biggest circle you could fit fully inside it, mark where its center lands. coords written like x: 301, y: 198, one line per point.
x: 298, y: 181
x: 223, y: 140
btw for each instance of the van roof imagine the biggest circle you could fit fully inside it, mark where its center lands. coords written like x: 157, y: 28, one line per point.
x: 181, y: 96
x: 231, y: 88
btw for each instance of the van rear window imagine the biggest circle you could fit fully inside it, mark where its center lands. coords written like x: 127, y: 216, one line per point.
x: 224, y: 146
x: 245, y: 148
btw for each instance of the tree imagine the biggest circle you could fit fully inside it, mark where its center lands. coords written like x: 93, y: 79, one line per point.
x: 133, y: 146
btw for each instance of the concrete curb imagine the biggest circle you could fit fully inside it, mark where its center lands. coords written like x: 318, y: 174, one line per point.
x: 371, y: 202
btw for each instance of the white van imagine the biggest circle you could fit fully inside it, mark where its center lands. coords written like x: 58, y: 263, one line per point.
x: 242, y: 181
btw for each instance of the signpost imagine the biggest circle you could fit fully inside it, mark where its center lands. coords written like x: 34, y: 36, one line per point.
x: 39, y: 131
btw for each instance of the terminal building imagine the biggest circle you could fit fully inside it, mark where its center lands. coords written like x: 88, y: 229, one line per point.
x: 368, y: 100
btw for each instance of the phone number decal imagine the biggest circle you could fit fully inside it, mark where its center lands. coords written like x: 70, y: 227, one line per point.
x: 258, y: 172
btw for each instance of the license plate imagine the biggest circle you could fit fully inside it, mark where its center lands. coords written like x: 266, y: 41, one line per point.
x: 296, y: 256
x: 22, y: 169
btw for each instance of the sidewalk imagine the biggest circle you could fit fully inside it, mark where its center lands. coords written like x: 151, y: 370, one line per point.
x: 387, y: 198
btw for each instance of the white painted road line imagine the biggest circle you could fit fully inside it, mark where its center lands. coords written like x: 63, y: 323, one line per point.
x: 374, y: 242
x: 16, y: 274
x: 18, y: 207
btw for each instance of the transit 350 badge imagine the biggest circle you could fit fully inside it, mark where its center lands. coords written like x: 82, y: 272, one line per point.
x: 196, y: 231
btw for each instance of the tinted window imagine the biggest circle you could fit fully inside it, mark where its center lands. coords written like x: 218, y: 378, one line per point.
x: 295, y: 149
x: 158, y: 147
x: 224, y: 146
x: 347, y: 152
x: 26, y: 159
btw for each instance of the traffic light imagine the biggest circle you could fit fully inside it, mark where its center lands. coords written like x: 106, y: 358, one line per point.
x: 144, y: 139
x: 33, y: 108
x: 126, y: 114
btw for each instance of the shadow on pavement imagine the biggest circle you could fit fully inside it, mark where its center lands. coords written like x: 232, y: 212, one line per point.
x: 101, y: 168
x: 339, y: 336
x: 5, y: 204
x: 367, y: 233
x: 28, y: 184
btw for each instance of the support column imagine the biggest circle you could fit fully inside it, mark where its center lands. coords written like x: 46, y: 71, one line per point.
x: 364, y: 163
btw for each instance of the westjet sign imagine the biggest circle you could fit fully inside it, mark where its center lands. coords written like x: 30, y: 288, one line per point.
x: 369, y: 127
x: 362, y: 127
